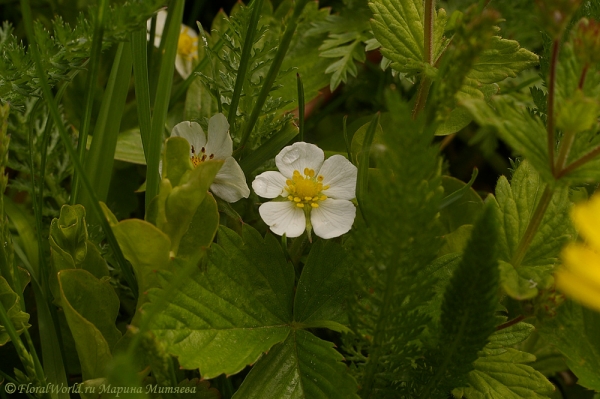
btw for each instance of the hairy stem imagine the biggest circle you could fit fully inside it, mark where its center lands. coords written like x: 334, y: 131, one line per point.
x: 510, y: 323
x: 578, y: 163
x: 425, y: 84
x: 550, y: 108
x: 583, y: 76
x: 532, y: 228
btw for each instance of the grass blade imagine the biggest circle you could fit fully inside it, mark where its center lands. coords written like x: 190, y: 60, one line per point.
x: 161, y: 102
x: 301, y: 106
x: 362, y: 182
x: 244, y: 61
x: 101, y: 156
x: 90, y: 84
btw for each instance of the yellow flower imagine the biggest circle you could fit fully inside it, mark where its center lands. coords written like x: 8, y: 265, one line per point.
x: 580, y: 276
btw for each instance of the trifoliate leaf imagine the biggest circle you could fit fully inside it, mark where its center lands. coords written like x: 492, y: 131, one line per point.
x: 574, y: 331
x: 500, y: 373
x: 224, y: 318
x: 323, y: 287
x: 301, y: 367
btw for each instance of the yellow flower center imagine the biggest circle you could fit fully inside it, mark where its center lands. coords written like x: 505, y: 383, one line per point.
x: 306, y: 189
x: 197, y: 159
x: 187, y: 45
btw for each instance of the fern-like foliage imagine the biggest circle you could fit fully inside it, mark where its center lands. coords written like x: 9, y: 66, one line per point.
x: 348, y: 33
x: 64, y: 50
x: 400, y: 240
x: 58, y: 168
x: 225, y: 72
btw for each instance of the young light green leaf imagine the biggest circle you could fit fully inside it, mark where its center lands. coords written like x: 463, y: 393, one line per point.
x: 574, y: 331
x: 500, y: 373
x: 91, y: 308
x: 222, y: 319
x: 12, y: 303
x: 323, y: 285
x: 201, y: 232
x: 303, y: 366
x: 502, y: 59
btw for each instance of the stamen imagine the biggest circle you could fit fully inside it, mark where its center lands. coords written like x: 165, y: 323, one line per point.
x: 211, y: 156
x: 203, y: 150
x: 314, y: 205
x: 297, y: 199
x: 193, y: 150
x: 300, y: 205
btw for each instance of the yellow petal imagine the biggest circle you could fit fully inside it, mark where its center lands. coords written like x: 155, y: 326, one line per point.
x: 577, y: 288
x: 586, y: 217
x: 581, y: 261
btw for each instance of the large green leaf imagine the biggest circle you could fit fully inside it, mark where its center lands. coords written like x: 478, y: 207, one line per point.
x: 223, y: 318
x: 303, y: 366
x: 574, y: 331
x: 147, y: 249
x: 91, y: 308
x: 516, y: 204
x: 500, y: 373
x: 323, y: 287
x: 12, y: 304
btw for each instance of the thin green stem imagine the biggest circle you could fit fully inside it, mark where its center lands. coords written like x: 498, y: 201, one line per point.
x: 301, y: 106
x: 284, y: 45
x: 161, y: 102
x: 92, y: 77
x: 244, y: 61
x: 550, y: 107
x: 428, y: 36
x: 532, y: 227
x: 125, y: 267
x: 565, y: 147
x: 139, y: 51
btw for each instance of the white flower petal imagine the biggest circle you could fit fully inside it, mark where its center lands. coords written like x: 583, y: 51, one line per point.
x: 230, y: 182
x: 340, y: 175
x: 192, y: 132
x: 184, y: 66
x: 161, y: 18
x: 299, y: 156
x: 269, y: 184
x: 283, y: 218
x: 332, y: 218
x: 219, y: 140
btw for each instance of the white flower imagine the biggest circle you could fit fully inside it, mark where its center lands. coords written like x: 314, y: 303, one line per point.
x: 230, y: 182
x: 311, y: 194
x: 187, y: 46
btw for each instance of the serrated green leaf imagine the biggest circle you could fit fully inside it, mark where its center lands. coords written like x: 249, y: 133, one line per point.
x: 222, y: 319
x: 398, y: 26
x: 91, y: 308
x: 502, y: 59
x: 303, y: 366
x: 516, y: 203
x: 499, y: 372
x: 574, y: 331
x: 323, y: 286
